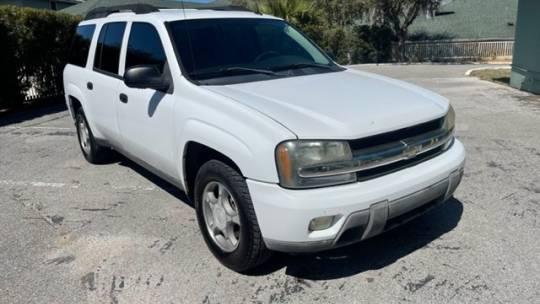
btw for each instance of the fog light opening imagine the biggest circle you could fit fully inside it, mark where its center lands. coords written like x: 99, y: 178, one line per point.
x: 321, y: 223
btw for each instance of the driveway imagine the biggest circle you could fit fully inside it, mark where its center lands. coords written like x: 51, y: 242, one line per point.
x: 71, y: 232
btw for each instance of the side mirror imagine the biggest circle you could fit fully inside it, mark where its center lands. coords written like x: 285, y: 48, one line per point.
x: 146, y: 77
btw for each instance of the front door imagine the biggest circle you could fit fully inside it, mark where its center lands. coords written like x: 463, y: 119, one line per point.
x: 145, y: 116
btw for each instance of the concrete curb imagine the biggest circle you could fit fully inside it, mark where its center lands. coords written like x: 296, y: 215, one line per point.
x: 411, y: 64
x: 469, y: 72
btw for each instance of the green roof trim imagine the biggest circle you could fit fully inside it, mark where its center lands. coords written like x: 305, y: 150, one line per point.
x: 469, y: 19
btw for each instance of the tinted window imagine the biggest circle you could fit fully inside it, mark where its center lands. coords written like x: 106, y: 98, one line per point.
x: 211, y: 48
x: 144, y: 47
x: 108, y: 49
x: 81, y: 45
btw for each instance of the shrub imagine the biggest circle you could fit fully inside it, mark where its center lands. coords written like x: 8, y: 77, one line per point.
x: 373, y: 44
x: 340, y: 42
x: 34, y: 52
x: 358, y: 44
x: 11, y: 90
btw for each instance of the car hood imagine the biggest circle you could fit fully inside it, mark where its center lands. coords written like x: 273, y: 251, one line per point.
x: 341, y: 105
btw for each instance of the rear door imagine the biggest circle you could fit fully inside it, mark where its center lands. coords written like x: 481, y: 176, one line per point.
x: 103, y: 85
x: 75, y: 73
x: 145, y: 116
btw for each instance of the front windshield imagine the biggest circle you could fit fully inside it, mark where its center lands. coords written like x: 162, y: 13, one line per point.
x: 224, y: 51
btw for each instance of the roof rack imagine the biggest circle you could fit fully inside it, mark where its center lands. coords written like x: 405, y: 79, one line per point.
x: 221, y: 8
x: 102, y: 12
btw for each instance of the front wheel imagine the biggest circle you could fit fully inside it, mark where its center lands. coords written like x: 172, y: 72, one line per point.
x: 227, y: 218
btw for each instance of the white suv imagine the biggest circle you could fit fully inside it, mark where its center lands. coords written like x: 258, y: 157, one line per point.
x: 278, y: 147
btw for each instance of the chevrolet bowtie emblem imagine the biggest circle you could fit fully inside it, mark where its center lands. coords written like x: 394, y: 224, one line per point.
x: 411, y: 151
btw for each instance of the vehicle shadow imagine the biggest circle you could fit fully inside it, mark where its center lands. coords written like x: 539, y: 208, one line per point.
x: 372, y: 254
x: 31, y: 113
x: 154, y: 103
x: 156, y: 180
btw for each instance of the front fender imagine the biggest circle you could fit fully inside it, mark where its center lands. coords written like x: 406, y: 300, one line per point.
x: 255, y: 159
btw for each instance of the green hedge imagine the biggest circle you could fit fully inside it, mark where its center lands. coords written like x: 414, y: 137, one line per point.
x: 35, y: 48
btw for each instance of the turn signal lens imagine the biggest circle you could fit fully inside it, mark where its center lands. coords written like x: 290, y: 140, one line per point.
x: 285, y: 164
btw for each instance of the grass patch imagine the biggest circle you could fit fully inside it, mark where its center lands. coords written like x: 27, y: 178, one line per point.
x: 500, y: 76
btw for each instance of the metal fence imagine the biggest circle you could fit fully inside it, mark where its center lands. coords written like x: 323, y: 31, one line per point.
x: 460, y: 50
x: 36, y: 92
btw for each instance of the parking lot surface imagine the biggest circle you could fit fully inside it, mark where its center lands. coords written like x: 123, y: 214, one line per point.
x: 71, y: 232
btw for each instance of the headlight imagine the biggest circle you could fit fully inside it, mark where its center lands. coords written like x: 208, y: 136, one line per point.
x: 450, y: 120
x: 293, y: 156
x: 449, y: 126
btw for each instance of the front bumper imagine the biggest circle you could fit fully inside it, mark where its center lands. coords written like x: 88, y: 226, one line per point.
x: 362, y: 210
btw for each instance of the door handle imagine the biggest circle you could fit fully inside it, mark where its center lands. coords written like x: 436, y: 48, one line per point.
x: 123, y: 98
x: 90, y: 86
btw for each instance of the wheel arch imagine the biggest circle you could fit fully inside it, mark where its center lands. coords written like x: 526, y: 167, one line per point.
x: 75, y: 99
x: 74, y: 105
x: 195, y: 155
x: 250, y: 149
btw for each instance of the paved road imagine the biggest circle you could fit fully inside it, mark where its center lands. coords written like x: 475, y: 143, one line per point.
x: 75, y: 233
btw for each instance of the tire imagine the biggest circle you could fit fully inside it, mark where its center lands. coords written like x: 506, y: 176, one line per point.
x: 250, y: 251
x: 91, y: 150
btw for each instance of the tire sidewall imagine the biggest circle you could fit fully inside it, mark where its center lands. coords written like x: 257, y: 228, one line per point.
x: 235, y: 259
x: 98, y: 154
x: 80, y: 117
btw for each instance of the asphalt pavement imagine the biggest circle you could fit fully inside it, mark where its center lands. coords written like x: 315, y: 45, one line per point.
x: 71, y: 232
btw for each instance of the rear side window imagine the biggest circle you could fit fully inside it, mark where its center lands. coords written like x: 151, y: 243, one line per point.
x: 144, y: 47
x: 108, y: 48
x: 81, y: 45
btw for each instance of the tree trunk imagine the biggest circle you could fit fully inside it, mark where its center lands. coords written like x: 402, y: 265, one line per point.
x: 400, y: 49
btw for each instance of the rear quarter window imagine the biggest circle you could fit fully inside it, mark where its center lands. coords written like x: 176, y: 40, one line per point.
x: 81, y: 45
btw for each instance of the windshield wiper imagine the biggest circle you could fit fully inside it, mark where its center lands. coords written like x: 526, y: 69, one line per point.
x: 303, y: 65
x: 232, y: 71
x: 244, y: 69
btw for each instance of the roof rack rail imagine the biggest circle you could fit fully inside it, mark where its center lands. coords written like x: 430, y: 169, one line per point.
x: 214, y: 7
x: 227, y: 8
x: 102, y: 12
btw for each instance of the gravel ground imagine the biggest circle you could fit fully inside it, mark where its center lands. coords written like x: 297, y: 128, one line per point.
x: 76, y: 233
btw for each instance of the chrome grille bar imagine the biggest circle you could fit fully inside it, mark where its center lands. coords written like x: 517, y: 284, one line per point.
x: 382, y: 155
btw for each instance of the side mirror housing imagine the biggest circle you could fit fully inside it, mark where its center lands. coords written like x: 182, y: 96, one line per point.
x: 146, y: 77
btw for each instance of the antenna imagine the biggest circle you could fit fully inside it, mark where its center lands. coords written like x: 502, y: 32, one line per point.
x: 183, y: 8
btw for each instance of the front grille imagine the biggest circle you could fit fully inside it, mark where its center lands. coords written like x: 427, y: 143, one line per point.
x: 388, y: 169
x: 398, y: 136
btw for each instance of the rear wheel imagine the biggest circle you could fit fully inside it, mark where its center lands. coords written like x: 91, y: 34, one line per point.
x: 227, y: 219
x: 92, y: 151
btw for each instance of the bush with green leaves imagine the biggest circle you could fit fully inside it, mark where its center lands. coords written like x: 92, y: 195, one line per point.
x: 332, y: 24
x: 35, y: 49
